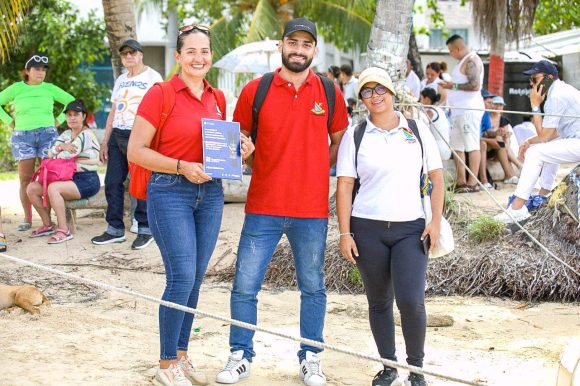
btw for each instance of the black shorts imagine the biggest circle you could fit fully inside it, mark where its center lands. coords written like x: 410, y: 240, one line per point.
x: 88, y: 183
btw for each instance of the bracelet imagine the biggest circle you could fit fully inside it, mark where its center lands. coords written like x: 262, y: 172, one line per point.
x: 178, y: 166
x: 455, y: 86
x: 346, y: 234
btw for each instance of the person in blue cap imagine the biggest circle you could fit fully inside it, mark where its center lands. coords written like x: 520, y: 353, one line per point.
x: 558, y: 135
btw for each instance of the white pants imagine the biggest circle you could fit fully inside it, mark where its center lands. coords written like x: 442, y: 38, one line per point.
x: 544, y: 158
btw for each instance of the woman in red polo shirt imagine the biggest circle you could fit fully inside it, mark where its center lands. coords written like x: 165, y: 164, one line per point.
x: 184, y: 205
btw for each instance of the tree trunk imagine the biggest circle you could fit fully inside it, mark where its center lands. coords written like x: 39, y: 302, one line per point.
x: 415, y: 57
x: 120, y: 25
x: 496, y: 63
x: 171, y: 41
x: 389, y: 40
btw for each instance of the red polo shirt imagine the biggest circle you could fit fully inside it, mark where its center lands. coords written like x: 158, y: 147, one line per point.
x: 181, y: 136
x: 291, y: 162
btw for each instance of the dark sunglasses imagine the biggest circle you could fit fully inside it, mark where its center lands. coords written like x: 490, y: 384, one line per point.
x: 194, y: 27
x: 128, y: 52
x: 534, y: 79
x: 367, y: 92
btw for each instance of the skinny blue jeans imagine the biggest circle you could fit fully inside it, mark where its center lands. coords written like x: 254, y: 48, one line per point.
x: 185, y: 220
x: 260, y: 235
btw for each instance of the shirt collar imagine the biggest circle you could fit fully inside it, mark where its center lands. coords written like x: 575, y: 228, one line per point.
x: 402, y: 124
x: 179, y: 84
x: 279, y: 81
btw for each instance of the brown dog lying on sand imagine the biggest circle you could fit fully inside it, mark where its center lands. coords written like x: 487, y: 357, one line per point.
x: 26, y: 297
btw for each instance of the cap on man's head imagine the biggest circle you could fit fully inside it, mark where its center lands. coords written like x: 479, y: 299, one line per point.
x: 39, y: 59
x: 300, y: 24
x: 131, y: 43
x: 486, y: 94
x: 542, y: 67
x: 497, y: 100
x: 76, y: 105
x: 375, y: 74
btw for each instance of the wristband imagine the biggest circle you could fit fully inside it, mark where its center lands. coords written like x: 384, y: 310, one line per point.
x: 455, y: 86
x: 178, y: 166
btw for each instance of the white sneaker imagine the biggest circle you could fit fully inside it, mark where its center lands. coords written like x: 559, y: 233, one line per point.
x: 237, y: 368
x: 513, y: 180
x: 311, y: 370
x: 171, y: 376
x: 519, y: 215
x: 194, y: 375
x: 134, y: 227
x: 488, y: 186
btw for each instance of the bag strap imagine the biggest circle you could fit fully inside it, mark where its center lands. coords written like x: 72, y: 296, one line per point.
x: 168, y: 93
x: 264, y: 87
x: 359, y: 132
x: 220, y: 99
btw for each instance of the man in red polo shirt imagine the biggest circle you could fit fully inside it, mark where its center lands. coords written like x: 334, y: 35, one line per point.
x: 288, y: 195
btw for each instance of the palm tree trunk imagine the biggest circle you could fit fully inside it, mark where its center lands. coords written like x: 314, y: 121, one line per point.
x: 389, y: 41
x: 496, y: 64
x: 414, y: 56
x: 120, y: 25
x: 171, y: 41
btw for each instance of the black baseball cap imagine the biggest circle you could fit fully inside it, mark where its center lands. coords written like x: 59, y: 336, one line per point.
x: 39, y: 59
x: 76, y: 105
x: 542, y: 67
x: 131, y: 43
x: 300, y: 24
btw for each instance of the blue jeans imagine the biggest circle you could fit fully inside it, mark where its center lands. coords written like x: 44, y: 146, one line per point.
x: 117, y: 170
x: 260, y: 235
x: 185, y: 221
x: 30, y: 144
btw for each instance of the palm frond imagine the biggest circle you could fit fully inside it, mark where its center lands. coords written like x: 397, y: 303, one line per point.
x: 516, y: 17
x: 345, y: 23
x: 225, y: 34
x: 11, y: 13
x: 265, y: 23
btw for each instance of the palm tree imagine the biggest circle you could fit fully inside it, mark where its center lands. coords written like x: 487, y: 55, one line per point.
x: 120, y: 25
x: 502, y: 21
x: 11, y: 13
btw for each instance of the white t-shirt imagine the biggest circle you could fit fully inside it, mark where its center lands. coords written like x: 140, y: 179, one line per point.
x: 414, y: 84
x: 349, y: 89
x: 127, y: 94
x: 389, y: 167
x: 440, y: 128
x: 562, y: 99
x: 434, y: 85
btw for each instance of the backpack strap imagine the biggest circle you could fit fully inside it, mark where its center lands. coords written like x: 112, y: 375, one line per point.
x: 359, y: 132
x: 259, y: 98
x: 330, y: 92
x: 168, y: 93
x: 220, y: 99
x: 415, y: 130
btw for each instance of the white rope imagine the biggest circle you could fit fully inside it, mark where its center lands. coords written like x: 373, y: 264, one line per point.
x: 490, y: 110
x: 238, y: 323
x: 536, y: 241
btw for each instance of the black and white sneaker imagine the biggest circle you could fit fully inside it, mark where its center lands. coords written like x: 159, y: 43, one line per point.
x: 417, y: 380
x: 106, y: 238
x: 142, y: 241
x: 237, y: 368
x: 385, y: 377
x: 311, y: 370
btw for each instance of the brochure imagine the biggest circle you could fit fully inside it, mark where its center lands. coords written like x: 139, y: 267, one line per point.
x: 221, y: 149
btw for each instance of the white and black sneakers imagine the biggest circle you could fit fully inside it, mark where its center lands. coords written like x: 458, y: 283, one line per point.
x: 237, y: 368
x: 311, y: 370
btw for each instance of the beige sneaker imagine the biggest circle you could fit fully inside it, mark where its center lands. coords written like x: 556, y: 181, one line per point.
x: 194, y: 375
x: 171, y: 376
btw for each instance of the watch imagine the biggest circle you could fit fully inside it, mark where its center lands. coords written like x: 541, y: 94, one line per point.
x: 535, y: 109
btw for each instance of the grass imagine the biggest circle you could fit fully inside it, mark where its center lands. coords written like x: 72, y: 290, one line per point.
x: 8, y: 176
x: 354, y: 276
x: 485, y: 228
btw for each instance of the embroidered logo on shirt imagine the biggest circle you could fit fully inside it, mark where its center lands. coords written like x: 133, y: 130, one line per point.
x: 317, y: 109
x: 409, y: 136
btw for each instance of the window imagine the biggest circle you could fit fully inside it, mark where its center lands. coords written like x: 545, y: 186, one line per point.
x: 437, y: 39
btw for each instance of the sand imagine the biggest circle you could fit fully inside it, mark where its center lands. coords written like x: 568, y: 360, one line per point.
x: 93, y: 337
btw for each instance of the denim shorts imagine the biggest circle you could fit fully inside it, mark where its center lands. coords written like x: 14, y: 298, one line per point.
x: 88, y: 183
x: 30, y: 144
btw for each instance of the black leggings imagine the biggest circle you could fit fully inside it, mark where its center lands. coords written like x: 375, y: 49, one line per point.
x: 392, y: 264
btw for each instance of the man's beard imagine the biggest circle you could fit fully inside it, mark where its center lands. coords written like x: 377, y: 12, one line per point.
x: 296, y: 67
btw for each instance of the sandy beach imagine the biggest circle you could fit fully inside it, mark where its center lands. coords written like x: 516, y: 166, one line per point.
x: 92, y: 337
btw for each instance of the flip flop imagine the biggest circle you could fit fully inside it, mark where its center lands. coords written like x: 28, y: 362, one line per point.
x: 3, y: 244
x: 24, y: 226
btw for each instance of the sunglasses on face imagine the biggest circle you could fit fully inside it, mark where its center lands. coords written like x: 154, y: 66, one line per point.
x: 37, y: 59
x: 194, y: 27
x: 126, y: 53
x: 367, y: 92
x: 534, y: 79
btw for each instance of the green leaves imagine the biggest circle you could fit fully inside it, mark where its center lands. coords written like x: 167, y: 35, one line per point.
x: 11, y: 14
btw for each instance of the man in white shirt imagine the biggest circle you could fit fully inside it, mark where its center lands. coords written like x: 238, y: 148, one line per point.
x: 558, y: 139
x: 349, y: 82
x: 412, y: 81
x: 129, y: 89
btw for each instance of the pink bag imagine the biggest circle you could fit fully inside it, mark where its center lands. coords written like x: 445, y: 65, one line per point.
x: 54, y: 169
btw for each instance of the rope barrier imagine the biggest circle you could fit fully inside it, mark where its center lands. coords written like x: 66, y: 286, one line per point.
x: 489, y: 110
x: 238, y: 323
x: 531, y: 237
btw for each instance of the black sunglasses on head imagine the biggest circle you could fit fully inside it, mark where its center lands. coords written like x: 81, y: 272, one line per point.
x: 367, y: 92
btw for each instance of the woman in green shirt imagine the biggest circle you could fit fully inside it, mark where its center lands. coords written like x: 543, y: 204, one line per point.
x: 34, y: 122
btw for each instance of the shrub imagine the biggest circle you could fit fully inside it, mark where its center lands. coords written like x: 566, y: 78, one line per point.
x: 485, y: 228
